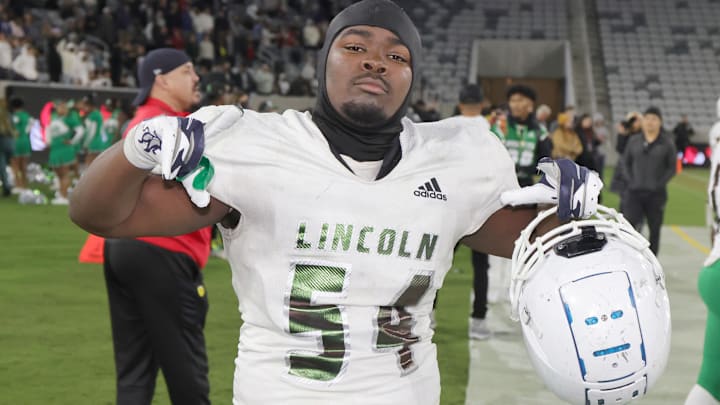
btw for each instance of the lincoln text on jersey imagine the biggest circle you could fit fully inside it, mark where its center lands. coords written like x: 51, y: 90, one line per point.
x: 366, y: 239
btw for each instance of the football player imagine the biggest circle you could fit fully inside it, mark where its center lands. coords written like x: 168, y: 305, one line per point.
x: 707, y: 389
x: 348, y: 217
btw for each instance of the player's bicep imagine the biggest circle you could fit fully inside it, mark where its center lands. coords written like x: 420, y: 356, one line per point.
x: 164, y: 209
x: 499, y: 232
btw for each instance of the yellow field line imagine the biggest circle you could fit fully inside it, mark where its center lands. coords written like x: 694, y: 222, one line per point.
x: 689, y: 239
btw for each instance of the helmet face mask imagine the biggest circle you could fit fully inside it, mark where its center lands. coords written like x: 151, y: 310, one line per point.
x: 593, y: 308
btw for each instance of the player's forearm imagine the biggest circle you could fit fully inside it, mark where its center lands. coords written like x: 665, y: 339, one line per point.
x: 500, y: 230
x: 107, y: 193
x: 548, y: 224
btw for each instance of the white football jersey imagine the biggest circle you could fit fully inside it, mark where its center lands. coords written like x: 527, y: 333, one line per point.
x: 714, y: 191
x: 336, y: 275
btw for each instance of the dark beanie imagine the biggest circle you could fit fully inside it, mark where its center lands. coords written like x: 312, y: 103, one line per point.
x: 654, y: 111
x: 348, y: 138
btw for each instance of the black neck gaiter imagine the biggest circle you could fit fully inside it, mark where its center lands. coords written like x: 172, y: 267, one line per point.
x: 380, y: 142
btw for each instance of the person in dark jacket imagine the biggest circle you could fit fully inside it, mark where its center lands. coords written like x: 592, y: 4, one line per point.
x: 648, y: 164
x: 683, y: 131
x: 627, y: 129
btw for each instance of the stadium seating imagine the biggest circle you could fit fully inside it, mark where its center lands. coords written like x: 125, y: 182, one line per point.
x: 664, y: 53
x: 448, y: 28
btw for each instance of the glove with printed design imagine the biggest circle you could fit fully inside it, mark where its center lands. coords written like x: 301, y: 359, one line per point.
x: 173, y: 147
x: 574, y: 188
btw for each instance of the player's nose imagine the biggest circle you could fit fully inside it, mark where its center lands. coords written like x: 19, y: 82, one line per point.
x: 374, y: 65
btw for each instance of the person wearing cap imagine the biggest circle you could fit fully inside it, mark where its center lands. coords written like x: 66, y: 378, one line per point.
x: 158, y: 301
x: 523, y: 137
x: 335, y: 293
x: 648, y: 164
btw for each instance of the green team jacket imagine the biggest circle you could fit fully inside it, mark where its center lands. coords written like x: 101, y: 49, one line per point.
x: 526, y: 144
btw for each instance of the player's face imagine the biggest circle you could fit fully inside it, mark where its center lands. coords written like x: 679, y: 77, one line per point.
x: 183, y: 85
x: 520, y: 106
x: 368, y: 74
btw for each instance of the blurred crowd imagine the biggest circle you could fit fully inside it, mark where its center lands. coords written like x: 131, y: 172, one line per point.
x: 263, y: 46
x: 580, y: 137
x: 576, y: 136
x: 239, y: 48
x: 73, y: 132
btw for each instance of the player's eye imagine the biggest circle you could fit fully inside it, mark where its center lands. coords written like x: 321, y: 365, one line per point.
x: 398, y: 58
x: 354, y: 48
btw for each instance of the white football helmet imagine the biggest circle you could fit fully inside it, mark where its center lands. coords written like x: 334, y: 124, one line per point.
x: 595, y: 315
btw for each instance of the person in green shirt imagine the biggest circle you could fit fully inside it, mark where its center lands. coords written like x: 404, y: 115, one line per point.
x: 524, y: 138
x: 22, y: 121
x: 79, y: 141
x: 111, y: 125
x: 64, y: 133
x: 96, y: 140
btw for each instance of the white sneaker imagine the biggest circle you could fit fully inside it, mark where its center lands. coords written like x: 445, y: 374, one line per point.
x: 478, y: 329
x: 699, y: 395
x: 59, y: 200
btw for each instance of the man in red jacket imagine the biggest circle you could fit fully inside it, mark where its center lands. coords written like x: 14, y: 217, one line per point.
x: 158, y: 302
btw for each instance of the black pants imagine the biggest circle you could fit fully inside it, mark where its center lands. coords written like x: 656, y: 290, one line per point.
x: 480, y: 265
x: 7, y: 147
x: 158, y: 306
x: 650, y: 205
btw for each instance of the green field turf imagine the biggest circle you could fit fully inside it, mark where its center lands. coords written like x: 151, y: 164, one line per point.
x: 55, y: 345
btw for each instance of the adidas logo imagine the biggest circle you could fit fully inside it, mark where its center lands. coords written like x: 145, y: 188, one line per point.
x: 431, y: 189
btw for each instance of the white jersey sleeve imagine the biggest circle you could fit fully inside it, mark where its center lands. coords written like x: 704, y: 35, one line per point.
x: 713, y: 201
x: 335, y: 275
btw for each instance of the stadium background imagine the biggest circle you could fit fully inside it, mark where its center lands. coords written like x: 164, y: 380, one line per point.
x: 602, y: 56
